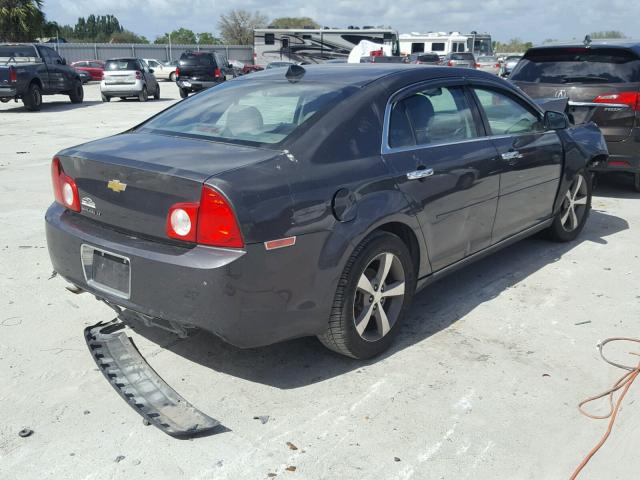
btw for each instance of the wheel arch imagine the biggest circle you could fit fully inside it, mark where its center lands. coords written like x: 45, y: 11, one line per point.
x: 407, y: 235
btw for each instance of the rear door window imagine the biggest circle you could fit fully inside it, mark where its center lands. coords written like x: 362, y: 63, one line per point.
x: 578, y: 65
x: 431, y: 116
x: 507, y: 116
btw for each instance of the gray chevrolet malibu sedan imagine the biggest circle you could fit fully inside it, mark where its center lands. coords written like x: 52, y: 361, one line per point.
x: 314, y: 200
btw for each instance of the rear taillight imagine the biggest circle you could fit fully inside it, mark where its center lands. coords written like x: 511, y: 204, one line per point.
x: 217, y: 73
x: 208, y: 222
x: 497, y: 65
x: 177, y: 72
x: 65, y: 190
x: 13, y: 75
x: 477, y: 65
x: 631, y: 99
x: 450, y: 63
x: 138, y: 75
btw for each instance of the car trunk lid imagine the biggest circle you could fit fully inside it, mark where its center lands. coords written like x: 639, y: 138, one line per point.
x: 130, y: 180
x: 120, y: 77
x: 599, y: 103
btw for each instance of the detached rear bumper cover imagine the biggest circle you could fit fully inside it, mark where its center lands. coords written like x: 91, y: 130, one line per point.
x: 141, y: 387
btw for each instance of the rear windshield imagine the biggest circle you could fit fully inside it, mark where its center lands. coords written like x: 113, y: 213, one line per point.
x: 194, y: 59
x: 462, y: 56
x: 121, y: 65
x: 428, y: 58
x: 578, y: 65
x: 17, y: 53
x: 487, y: 59
x: 248, y: 112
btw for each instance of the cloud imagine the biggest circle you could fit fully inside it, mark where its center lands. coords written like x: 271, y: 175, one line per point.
x: 504, y: 19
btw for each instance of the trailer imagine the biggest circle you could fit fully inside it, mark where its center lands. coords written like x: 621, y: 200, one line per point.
x: 444, y: 43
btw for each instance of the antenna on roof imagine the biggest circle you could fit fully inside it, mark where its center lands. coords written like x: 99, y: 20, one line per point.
x: 587, y: 40
x: 295, y: 73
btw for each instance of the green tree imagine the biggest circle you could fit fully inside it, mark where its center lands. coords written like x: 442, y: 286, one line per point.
x: 126, y: 36
x: 236, y: 27
x: 607, y: 34
x: 515, y: 45
x: 206, y: 38
x: 182, y: 35
x: 20, y: 20
x: 294, y: 22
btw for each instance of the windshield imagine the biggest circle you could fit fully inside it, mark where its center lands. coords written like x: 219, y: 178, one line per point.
x: 195, y: 59
x: 126, y: 64
x: 249, y: 112
x: 17, y: 53
x: 578, y: 65
x: 462, y: 56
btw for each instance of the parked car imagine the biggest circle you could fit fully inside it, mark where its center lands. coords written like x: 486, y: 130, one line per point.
x: 283, y: 205
x: 464, y: 60
x: 84, y: 76
x: 383, y: 59
x: 424, y: 58
x: 251, y: 69
x: 200, y: 70
x: 162, y: 70
x: 509, y: 64
x: 489, y: 64
x: 29, y: 71
x: 93, y: 67
x: 602, y: 83
x: 128, y: 77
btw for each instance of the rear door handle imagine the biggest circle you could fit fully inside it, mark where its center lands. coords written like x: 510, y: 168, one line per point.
x: 421, y: 173
x: 511, y: 155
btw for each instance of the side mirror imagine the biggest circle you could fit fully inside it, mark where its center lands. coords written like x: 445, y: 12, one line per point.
x: 151, y: 70
x: 555, y: 120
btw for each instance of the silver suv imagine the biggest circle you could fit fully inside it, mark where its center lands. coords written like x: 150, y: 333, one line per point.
x: 128, y: 77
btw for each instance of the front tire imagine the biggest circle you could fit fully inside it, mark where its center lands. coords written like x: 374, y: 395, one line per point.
x: 574, y: 211
x: 144, y: 94
x: 172, y: 77
x: 76, y: 95
x: 33, y: 99
x: 373, y: 295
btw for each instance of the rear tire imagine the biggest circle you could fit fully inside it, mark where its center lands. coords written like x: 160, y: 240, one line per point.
x: 144, y: 94
x: 33, y: 99
x: 105, y: 98
x: 365, y: 318
x: 172, y: 77
x: 156, y: 96
x: 574, y: 211
x: 183, y: 93
x: 636, y: 182
x: 76, y: 95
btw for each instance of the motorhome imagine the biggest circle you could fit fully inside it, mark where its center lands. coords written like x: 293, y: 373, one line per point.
x: 307, y: 45
x: 444, y: 43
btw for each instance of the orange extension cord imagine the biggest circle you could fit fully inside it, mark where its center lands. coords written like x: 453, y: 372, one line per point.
x: 623, y: 383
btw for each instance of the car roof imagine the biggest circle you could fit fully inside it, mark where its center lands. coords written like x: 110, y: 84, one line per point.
x: 622, y: 43
x: 360, y: 74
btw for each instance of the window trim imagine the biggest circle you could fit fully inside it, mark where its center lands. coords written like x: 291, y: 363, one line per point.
x: 406, y: 91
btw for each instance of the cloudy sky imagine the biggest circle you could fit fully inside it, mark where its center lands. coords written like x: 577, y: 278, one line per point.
x: 533, y: 20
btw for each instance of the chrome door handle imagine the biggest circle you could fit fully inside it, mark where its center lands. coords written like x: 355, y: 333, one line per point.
x: 511, y: 155
x: 418, y: 174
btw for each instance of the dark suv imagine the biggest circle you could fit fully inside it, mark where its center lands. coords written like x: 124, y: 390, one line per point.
x: 199, y: 70
x: 602, y: 83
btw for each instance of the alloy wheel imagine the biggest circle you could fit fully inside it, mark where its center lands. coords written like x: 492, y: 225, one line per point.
x: 574, y: 205
x: 379, y: 297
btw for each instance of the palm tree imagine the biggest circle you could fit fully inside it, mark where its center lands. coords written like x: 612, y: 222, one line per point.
x: 20, y: 20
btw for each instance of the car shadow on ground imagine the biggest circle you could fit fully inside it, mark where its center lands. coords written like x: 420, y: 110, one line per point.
x: 54, y: 106
x: 305, y: 361
x: 615, y: 185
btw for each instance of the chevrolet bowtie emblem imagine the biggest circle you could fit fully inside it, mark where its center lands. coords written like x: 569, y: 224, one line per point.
x: 117, y: 186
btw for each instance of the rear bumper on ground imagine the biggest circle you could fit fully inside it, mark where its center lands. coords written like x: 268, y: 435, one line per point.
x: 8, y: 92
x: 195, y: 85
x: 624, y: 156
x: 249, y: 298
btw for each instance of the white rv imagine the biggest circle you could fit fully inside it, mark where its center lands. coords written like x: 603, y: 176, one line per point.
x: 305, y: 45
x: 443, y: 43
